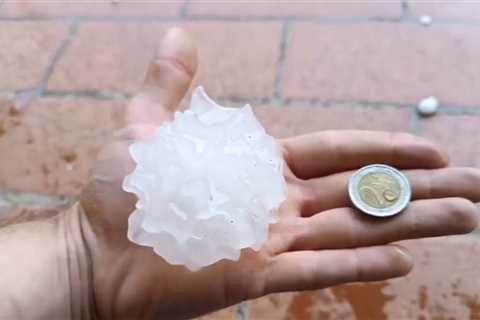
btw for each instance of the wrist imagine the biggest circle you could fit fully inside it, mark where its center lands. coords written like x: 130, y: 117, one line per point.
x: 46, y: 271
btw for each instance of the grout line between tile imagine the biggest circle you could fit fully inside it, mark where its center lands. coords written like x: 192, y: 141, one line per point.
x: 267, y: 101
x: 7, y: 93
x: 476, y: 232
x: 72, y: 31
x: 29, y: 19
x: 35, y: 199
x: 242, y: 311
x: 229, y: 19
x: 313, y: 103
x: 287, y: 18
x: 94, y: 95
x: 438, y: 21
x: 415, y: 122
x: 459, y: 110
x: 405, y: 10
x: 318, y: 103
x: 183, y: 10
x: 280, y: 64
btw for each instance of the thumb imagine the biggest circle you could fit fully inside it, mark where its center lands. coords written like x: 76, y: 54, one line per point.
x: 167, y: 80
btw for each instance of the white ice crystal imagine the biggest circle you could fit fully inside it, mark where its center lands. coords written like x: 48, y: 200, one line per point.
x: 428, y: 106
x: 208, y: 185
x: 425, y: 20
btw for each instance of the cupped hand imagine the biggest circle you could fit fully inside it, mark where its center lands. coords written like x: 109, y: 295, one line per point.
x: 319, y: 240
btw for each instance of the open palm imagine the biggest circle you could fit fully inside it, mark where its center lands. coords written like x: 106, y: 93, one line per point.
x: 319, y: 239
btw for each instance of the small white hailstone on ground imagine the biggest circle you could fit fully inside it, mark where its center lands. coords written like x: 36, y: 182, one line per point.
x: 425, y: 20
x: 208, y: 185
x: 428, y: 106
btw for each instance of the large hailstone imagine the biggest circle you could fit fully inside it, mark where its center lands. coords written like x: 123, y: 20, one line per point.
x: 208, y: 185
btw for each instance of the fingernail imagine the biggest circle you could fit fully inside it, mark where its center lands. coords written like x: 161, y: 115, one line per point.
x: 445, y: 157
x: 178, y: 47
x: 405, y: 258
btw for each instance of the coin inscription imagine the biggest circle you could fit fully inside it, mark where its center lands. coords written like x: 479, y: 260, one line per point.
x: 379, y: 189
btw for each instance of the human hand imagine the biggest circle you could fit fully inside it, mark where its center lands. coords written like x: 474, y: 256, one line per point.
x: 319, y: 239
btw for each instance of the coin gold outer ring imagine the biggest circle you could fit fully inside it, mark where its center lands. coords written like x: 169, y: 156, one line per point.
x: 360, y: 204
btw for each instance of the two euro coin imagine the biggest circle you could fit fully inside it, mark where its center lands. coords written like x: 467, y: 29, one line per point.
x: 379, y: 190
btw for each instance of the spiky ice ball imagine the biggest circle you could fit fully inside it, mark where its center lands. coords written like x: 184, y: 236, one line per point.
x: 208, y: 185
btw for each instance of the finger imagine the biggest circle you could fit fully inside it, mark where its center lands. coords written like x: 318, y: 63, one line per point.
x: 347, y: 228
x: 446, y: 182
x: 167, y: 80
x: 332, y: 191
x: 327, y: 152
x: 308, y: 270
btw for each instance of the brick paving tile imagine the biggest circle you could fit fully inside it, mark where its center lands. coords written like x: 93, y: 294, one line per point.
x: 420, y: 295
x: 26, y: 49
x: 15, y: 8
x: 344, y: 9
x: 236, y: 59
x: 239, y: 60
x: 383, y: 62
x: 285, y: 122
x: 462, y: 10
x: 49, y: 146
x: 271, y: 307
x: 438, y: 292
x: 459, y: 134
x: 114, y: 59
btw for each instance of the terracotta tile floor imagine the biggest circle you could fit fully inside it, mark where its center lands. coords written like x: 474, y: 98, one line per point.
x: 306, y: 65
